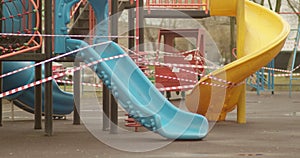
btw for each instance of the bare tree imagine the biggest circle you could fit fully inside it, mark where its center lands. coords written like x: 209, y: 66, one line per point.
x: 261, y: 2
x: 277, y: 4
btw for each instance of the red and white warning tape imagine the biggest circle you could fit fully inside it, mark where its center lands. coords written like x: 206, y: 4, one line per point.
x: 175, y: 78
x: 172, y: 54
x: 221, y: 80
x: 49, y: 35
x: 180, y: 54
x: 51, y: 59
x: 278, y: 70
x: 176, y: 88
x: 192, y: 86
x: 58, y: 75
x: 83, y: 83
x: 105, y: 59
x: 191, y: 72
x: 296, y: 68
x: 286, y: 75
x: 179, y: 65
x: 160, y: 89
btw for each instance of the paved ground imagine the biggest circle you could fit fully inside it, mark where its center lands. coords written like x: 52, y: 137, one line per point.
x: 272, y: 130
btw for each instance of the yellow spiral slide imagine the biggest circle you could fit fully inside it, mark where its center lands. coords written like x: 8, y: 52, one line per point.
x: 261, y: 34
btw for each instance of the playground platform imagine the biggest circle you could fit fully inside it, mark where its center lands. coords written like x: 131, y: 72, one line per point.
x: 271, y: 131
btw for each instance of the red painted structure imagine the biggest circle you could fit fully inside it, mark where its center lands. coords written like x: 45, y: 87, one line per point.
x: 178, y: 4
x: 170, y: 40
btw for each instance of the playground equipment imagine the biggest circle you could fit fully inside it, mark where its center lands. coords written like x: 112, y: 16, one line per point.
x: 193, y: 38
x: 163, y: 4
x: 258, y: 43
x: 62, y: 101
x: 20, y: 18
x: 132, y: 88
x: 140, y: 98
x: 293, y: 68
x: 263, y: 79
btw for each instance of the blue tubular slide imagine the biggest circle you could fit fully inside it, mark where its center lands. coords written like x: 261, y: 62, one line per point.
x: 130, y: 87
x: 138, y: 96
x: 63, y: 102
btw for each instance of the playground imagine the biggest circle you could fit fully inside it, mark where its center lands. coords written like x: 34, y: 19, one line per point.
x: 89, y: 78
x: 271, y: 131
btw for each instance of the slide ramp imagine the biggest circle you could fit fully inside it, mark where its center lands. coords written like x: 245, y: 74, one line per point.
x: 63, y: 102
x: 23, y: 17
x: 261, y: 36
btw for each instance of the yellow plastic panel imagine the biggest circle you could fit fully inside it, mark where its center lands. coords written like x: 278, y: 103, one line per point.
x: 223, y: 7
x: 261, y: 36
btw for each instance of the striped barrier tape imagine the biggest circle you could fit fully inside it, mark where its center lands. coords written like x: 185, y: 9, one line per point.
x: 186, y: 66
x: 176, y: 88
x: 296, y: 68
x: 160, y: 89
x: 82, y: 83
x: 76, y: 69
x: 281, y: 70
x: 192, y: 86
x: 192, y: 72
x: 15, y: 90
x: 210, y: 76
x: 179, y: 65
x: 175, y: 78
x: 173, y: 54
x: 75, y: 36
x: 274, y: 69
x: 51, y: 59
x: 285, y: 75
x: 221, y: 80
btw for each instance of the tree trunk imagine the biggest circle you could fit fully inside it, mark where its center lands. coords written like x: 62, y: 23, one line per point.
x: 278, y: 6
x: 232, y: 36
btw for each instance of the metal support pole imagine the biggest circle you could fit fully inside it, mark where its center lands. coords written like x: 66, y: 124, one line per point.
x: 105, y: 100
x: 113, y: 103
x: 131, y: 28
x: 12, y: 111
x: 295, y: 50
x: 1, y: 88
x: 113, y: 116
x: 241, y: 106
x: 1, y: 108
x: 48, y: 70
x: 271, y: 76
x: 105, y: 91
x: 38, y: 99
x: 77, y: 93
x: 141, y: 25
x: 232, y: 36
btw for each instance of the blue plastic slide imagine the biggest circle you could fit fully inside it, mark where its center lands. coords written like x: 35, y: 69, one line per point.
x: 130, y: 87
x: 138, y: 96
x: 63, y: 102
